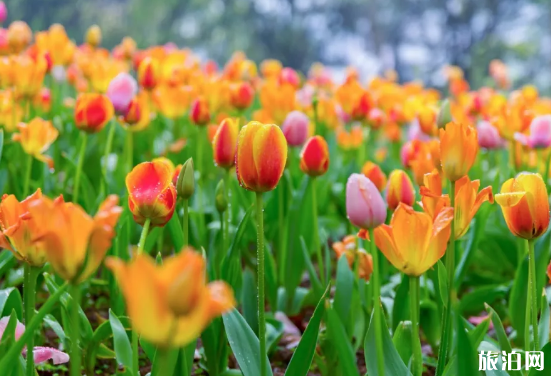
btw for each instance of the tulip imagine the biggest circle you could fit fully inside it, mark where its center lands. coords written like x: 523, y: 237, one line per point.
x: 19, y: 36
x: 148, y: 73
x: 458, y: 149
x: 121, y: 90
x: 93, y: 36
x: 224, y: 143
x: 36, y: 137
x: 295, y: 128
x: 540, y: 133
x: 350, y: 140
x: 170, y: 305
x: 3, y: 12
x: 200, y: 113
x: 241, y: 95
x: 362, y: 107
x: 488, y: 136
x: 364, y: 205
x: 314, y: 157
x: 375, y: 174
x: 185, y: 184
x: 172, y: 101
x: 220, y: 199
x: 28, y: 75
x: 261, y: 156
x: 399, y: 189
x: 432, y: 199
x: 137, y: 116
x: 348, y: 248
x: 151, y: 194
x: 467, y: 203
x: 92, y: 112
x: 444, y: 114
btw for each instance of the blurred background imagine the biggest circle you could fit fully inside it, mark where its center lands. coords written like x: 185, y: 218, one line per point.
x: 414, y: 37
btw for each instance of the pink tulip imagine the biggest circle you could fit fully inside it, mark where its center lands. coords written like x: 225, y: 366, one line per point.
x: 364, y: 205
x: 40, y: 354
x: 488, y: 136
x: 540, y: 133
x: 295, y: 128
x: 121, y: 90
x: 3, y: 12
x: 415, y: 132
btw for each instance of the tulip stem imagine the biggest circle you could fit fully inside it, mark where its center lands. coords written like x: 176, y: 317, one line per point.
x: 533, y: 292
x: 143, y: 237
x: 450, y: 267
x: 129, y: 151
x: 163, y: 364
x: 260, y: 265
x: 15, y: 350
x: 185, y: 222
x: 316, y: 231
x: 414, y: 312
x: 31, y: 273
x: 79, y: 166
x: 75, y: 330
x: 377, y: 305
x: 28, y: 172
x: 108, y: 146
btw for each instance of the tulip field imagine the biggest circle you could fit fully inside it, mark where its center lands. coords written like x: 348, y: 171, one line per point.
x: 163, y: 215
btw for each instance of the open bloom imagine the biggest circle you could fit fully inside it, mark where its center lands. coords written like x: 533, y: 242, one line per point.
x: 74, y: 243
x: 224, y: 143
x: 399, y: 189
x: 458, y: 149
x: 121, y: 90
x: 364, y: 204
x: 261, y: 156
x: 375, y: 174
x: 348, y: 247
x: 540, y: 133
x: 525, y: 205
x: 92, y: 112
x: 170, y: 305
x: 413, y: 242
x: 314, y: 157
x: 295, y: 128
x: 151, y: 194
x: 36, y: 137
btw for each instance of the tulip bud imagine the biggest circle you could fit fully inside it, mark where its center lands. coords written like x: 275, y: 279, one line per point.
x: 295, y: 128
x: 186, y: 180
x: 241, y: 95
x: 221, y: 200
x: 540, y: 133
x: 399, y: 189
x: 3, y: 12
x: 224, y: 143
x: 93, y: 36
x: 375, y: 174
x: 148, y: 73
x: 488, y: 136
x: 458, y: 150
x: 444, y: 114
x: 314, y: 157
x: 200, y: 113
x: 92, y: 112
x: 121, y: 90
x: 364, y: 205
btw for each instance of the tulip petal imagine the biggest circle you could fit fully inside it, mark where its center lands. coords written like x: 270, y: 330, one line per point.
x: 42, y: 354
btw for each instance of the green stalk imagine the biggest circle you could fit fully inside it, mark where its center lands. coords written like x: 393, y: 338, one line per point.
x: 280, y: 223
x: 28, y: 172
x: 129, y: 151
x: 316, y: 232
x: 377, y: 304
x: 79, y: 166
x: 260, y: 265
x: 108, y: 146
x: 29, y: 294
x: 17, y: 347
x: 202, y: 173
x: 76, y: 355
x: 162, y: 365
x: 185, y: 222
x: 450, y: 267
x: 143, y: 236
x: 533, y: 292
x: 414, y: 316
x: 527, y: 346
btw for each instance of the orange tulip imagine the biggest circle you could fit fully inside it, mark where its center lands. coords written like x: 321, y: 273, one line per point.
x: 224, y: 143
x: 241, y: 95
x: 314, y: 157
x: 137, y: 115
x: 148, y: 73
x: 17, y: 228
x: 399, y: 189
x: 458, y: 149
x: 261, y: 156
x: 375, y: 174
x: 19, y: 36
x: 170, y: 305
x: 525, y: 205
x: 200, y: 113
x: 172, y: 101
x: 74, y: 243
x: 350, y: 140
x: 467, y: 203
x: 432, y: 199
x: 348, y: 247
x: 151, y: 194
x: 36, y: 137
x: 27, y: 75
x: 57, y: 43
x: 93, y: 112
x: 413, y: 242
x: 11, y: 113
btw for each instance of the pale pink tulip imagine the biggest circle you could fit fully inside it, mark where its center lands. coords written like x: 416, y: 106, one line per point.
x: 295, y: 128
x: 121, y: 90
x: 364, y: 205
x: 540, y: 133
x: 488, y: 136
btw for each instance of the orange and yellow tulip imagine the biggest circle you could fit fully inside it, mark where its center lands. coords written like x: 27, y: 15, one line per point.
x: 348, y: 247
x: 151, y: 194
x: 458, y: 150
x: 148, y: 73
x: 399, y: 189
x: 92, y: 112
x: 261, y: 156
x: 375, y: 174
x: 93, y: 36
x: 224, y: 143
x: 27, y: 75
x: 467, y: 202
x: 172, y: 101
x: 241, y: 95
x: 36, y: 137
x: 200, y: 112
x: 525, y: 205
x: 19, y: 36
x: 314, y: 157
x: 137, y: 116
x: 170, y: 305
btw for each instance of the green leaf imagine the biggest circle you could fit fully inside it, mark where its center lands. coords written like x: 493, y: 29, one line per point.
x: 343, y: 291
x: 466, y: 353
x: 443, y: 283
x: 543, y: 326
x: 430, y: 321
x: 546, y: 362
x: 1, y: 142
x: 303, y: 355
x: 95, y: 346
x: 8, y: 340
x: 337, y: 333
x: 477, y: 334
x: 274, y: 332
x: 487, y: 346
x: 400, y: 308
x: 175, y: 233
x: 121, y: 343
x: 502, y: 338
x: 402, y: 340
x: 249, y: 300
x: 244, y: 344
x: 10, y: 299
x: 314, y: 279
x: 473, y: 302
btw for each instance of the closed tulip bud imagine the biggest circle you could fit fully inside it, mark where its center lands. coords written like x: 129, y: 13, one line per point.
x: 148, y: 73
x: 151, y: 194
x: 186, y: 180
x: 92, y: 112
x: 444, y: 114
x: 261, y: 156
x: 488, y: 136
x: 364, y: 205
x: 200, y: 113
x: 295, y: 128
x: 289, y: 76
x: 540, y: 133
x: 93, y: 36
x: 121, y: 90
x: 314, y: 157
x: 3, y: 12
x: 458, y: 149
x: 399, y: 189
x: 36, y: 137
x: 220, y: 199
x: 525, y: 205
x: 19, y: 36
x: 224, y: 143
x: 374, y: 173
x: 241, y: 95
x: 362, y: 107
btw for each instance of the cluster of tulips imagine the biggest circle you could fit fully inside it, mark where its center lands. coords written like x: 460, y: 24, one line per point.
x: 182, y: 141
